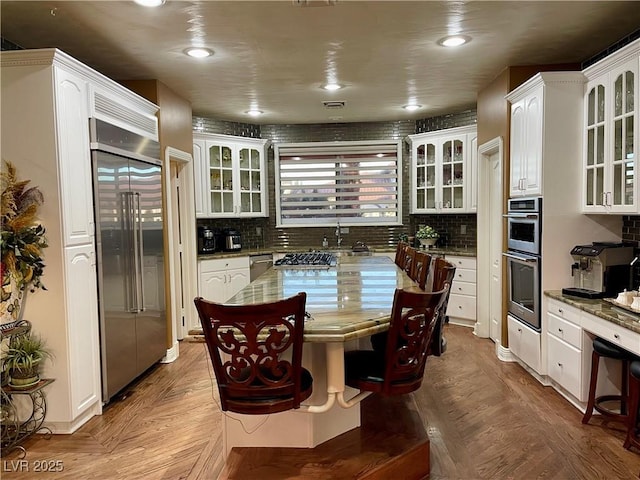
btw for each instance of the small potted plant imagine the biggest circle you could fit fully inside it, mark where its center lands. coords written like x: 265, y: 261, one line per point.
x: 427, y: 236
x: 23, y: 360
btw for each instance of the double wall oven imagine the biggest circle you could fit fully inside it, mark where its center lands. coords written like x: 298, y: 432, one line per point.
x: 524, y: 226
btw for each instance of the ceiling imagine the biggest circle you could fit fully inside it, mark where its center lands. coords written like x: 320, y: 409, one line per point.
x: 275, y: 55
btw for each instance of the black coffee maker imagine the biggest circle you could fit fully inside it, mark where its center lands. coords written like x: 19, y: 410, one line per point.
x: 208, y: 240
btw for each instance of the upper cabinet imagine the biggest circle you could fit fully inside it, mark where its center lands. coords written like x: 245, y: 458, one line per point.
x: 526, y: 144
x: 610, y: 164
x: 441, y: 166
x: 231, y: 178
x: 545, y: 133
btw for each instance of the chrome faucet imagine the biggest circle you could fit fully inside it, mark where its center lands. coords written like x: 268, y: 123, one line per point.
x: 338, y: 235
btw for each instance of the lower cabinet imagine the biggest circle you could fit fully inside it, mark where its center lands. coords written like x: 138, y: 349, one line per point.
x: 220, y: 279
x: 461, y: 308
x: 524, y: 343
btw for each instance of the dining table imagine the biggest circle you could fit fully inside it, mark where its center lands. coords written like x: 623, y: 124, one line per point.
x: 347, y: 302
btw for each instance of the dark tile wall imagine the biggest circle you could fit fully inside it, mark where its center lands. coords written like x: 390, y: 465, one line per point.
x: 309, y: 237
x: 456, y: 230
x: 631, y: 232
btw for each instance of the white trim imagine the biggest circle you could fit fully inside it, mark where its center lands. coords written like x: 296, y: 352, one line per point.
x: 504, y: 354
x: 483, y: 305
x: 172, y: 353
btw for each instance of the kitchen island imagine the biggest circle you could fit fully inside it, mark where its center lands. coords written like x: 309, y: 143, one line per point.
x: 346, y: 303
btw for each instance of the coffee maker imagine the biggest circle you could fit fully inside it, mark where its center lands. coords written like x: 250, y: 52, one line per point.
x: 600, y: 270
x: 208, y: 240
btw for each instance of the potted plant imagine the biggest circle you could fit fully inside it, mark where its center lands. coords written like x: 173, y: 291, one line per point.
x: 427, y: 236
x: 22, y: 240
x: 23, y: 360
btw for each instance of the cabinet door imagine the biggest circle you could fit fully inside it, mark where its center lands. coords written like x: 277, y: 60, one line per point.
x: 236, y: 280
x: 74, y: 159
x: 526, y: 343
x: 594, y: 165
x: 517, y: 148
x: 213, y: 286
x: 565, y: 366
x: 201, y: 176
x: 252, y: 182
x: 623, y: 167
x: 532, y: 183
x: 82, y: 327
x: 452, y: 173
x: 471, y: 182
x: 221, y: 179
x: 424, y: 171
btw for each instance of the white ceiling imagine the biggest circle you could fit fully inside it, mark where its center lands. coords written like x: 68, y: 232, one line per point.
x: 274, y: 55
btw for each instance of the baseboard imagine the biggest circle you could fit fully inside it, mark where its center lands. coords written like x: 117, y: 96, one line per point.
x: 462, y: 322
x: 172, y: 354
x: 70, y: 427
x: 504, y: 354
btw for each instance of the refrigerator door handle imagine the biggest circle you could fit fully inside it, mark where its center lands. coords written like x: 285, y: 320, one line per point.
x: 128, y: 227
x: 140, y: 255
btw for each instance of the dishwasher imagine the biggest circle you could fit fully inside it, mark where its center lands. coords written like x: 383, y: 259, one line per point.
x: 258, y: 264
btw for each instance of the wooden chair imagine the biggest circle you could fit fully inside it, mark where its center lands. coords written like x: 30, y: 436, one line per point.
x: 400, y: 248
x: 421, y: 263
x: 443, y: 273
x: 399, y: 367
x: 246, y: 344
x: 409, y: 256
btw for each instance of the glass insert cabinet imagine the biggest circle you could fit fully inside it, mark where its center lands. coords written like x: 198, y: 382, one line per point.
x: 441, y: 163
x: 611, y: 135
x: 230, y: 176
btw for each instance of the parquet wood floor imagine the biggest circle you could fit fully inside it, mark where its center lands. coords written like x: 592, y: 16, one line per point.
x: 485, y: 419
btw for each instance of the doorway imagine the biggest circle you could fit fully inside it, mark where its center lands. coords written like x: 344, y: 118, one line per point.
x: 490, y: 239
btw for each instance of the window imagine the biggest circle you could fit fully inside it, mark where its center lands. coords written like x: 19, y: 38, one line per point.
x: 354, y: 183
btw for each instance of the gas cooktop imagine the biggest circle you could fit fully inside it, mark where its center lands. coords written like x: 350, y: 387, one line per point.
x: 306, y: 260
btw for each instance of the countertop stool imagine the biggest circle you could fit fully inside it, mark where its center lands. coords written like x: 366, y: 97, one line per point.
x: 605, y: 349
x: 633, y: 433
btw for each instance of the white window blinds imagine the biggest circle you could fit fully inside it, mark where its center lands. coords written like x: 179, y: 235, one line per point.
x: 348, y: 182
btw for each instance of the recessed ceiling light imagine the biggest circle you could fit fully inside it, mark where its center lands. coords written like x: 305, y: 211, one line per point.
x: 149, y: 3
x: 254, y: 113
x: 198, y: 52
x: 412, y: 107
x: 332, y: 86
x: 454, y: 40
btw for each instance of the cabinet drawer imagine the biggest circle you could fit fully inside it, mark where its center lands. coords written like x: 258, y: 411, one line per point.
x: 563, y: 310
x: 464, y: 275
x: 215, y: 265
x: 565, y: 366
x: 567, y: 331
x: 615, y: 334
x: 463, y: 288
x: 462, y: 306
x: 462, y: 262
x: 524, y: 343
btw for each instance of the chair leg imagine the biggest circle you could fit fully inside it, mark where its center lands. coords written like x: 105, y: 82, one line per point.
x: 624, y: 389
x: 595, y: 359
x: 634, y: 394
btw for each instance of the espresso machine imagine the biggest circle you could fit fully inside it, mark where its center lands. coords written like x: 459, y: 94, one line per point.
x: 600, y: 270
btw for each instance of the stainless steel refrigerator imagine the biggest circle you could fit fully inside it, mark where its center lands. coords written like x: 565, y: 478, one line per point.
x: 127, y: 190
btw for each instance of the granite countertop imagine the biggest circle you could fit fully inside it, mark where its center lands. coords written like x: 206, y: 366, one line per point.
x: 601, y: 309
x: 462, y: 252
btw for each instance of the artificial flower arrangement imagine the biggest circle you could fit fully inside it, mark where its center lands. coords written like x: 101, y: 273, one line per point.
x: 427, y: 232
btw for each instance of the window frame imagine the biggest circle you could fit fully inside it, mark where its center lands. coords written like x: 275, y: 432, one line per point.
x: 337, y: 148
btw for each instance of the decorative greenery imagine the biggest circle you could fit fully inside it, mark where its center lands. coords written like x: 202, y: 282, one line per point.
x: 427, y: 232
x: 25, y: 353
x: 22, y: 238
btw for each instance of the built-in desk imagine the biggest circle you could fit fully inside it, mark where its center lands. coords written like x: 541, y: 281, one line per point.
x: 347, y: 302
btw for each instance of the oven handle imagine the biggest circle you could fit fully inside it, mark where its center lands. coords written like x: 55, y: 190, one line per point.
x: 520, y: 258
x: 532, y: 216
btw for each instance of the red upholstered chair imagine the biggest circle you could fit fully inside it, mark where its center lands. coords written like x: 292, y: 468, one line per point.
x: 247, y: 344
x: 399, y: 368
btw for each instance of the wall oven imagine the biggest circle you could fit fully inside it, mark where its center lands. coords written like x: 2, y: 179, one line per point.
x: 523, y: 273
x: 524, y: 220
x: 524, y: 225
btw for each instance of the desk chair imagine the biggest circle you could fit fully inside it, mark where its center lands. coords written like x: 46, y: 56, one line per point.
x: 246, y: 344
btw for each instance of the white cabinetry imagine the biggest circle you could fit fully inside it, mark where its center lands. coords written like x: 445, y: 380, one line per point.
x: 526, y: 144
x: 441, y: 168
x: 567, y: 366
x: 47, y: 99
x: 221, y: 279
x: 610, y: 165
x: 524, y: 343
x: 461, y: 308
x: 232, y: 176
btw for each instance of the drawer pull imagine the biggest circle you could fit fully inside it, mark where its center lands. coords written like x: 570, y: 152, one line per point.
x: 616, y: 336
x: 460, y: 288
x: 560, y: 310
x: 519, y: 329
x: 559, y: 364
x: 560, y: 330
